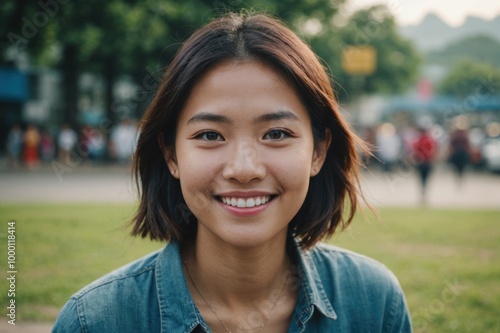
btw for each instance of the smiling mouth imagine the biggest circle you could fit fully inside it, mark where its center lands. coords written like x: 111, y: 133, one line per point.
x: 246, y: 202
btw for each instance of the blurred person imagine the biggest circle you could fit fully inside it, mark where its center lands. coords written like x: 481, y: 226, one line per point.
x: 459, y: 152
x: 242, y: 179
x: 14, y: 145
x: 95, y: 143
x: 66, y: 142
x: 409, y: 135
x: 31, y: 146
x: 47, y: 148
x: 477, y: 138
x: 424, y: 151
x: 84, y: 142
x: 124, y: 140
x: 368, y: 135
x: 388, y: 144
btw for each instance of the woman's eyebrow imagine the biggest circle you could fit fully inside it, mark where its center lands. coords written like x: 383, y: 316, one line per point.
x: 273, y: 116
x: 216, y: 118
x: 209, y: 117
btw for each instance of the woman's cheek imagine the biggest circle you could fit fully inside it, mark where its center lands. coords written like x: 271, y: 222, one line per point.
x: 292, y: 168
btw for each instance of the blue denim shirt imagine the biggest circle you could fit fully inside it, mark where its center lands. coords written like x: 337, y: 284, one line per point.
x: 340, y: 291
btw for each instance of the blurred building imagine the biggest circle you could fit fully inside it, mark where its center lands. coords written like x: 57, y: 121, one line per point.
x: 14, y: 92
x: 28, y: 96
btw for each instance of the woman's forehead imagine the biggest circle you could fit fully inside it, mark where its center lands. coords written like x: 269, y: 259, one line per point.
x: 234, y: 76
x: 248, y: 88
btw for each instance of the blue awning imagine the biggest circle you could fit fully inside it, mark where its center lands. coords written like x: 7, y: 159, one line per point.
x: 13, y: 86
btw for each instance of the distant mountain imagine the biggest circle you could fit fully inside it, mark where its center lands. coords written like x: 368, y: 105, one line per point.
x: 481, y: 48
x: 433, y: 34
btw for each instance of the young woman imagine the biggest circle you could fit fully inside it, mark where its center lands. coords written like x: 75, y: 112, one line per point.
x: 244, y: 164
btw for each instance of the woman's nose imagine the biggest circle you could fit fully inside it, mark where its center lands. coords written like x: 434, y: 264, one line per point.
x: 244, y: 164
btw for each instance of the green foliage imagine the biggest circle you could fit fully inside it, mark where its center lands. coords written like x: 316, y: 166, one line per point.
x: 484, y: 49
x: 131, y: 35
x: 471, y: 78
x: 61, y: 248
x: 22, y: 26
x: 397, y: 59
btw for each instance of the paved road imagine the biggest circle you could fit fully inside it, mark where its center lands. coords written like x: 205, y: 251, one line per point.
x: 25, y: 327
x: 114, y: 184
x: 402, y: 188
x: 85, y: 184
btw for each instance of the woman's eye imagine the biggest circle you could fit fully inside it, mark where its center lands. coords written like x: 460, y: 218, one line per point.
x: 276, y: 135
x: 209, y: 136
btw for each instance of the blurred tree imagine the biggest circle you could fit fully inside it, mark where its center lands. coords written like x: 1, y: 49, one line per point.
x: 137, y: 38
x: 131, y: 37
x: 397, y: 60
x: 470, y: 78
x: 17, y: 30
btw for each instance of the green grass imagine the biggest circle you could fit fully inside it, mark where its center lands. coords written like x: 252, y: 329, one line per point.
x: 61, y: 248
x: 448, y: 261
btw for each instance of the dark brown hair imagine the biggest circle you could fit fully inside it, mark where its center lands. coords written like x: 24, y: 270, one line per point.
x: 332, y: 198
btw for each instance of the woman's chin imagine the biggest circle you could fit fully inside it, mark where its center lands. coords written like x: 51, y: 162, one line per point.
x: 250, y: 237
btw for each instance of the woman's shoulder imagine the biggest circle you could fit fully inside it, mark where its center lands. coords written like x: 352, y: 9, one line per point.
x: 360, y: 289
x: 339, y: 264
x: 125, y: 274
x: 106, y: 303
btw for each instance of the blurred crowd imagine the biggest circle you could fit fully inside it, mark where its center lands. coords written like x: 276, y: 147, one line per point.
x: 420, y: 147
x: 396, y: 148
x: 30, y: 145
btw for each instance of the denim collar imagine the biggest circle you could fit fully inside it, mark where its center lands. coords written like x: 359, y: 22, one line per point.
x: 179, y: 314
x: 312, y: 294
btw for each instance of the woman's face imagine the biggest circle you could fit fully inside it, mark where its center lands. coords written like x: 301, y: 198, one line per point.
x: 244, y: 154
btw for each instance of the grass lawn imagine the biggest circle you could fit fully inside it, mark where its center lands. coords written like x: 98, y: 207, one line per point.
x: 448, y: 261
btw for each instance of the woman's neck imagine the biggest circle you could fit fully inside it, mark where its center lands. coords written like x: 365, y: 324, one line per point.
x: 242, y: 288
x: 234, y: 276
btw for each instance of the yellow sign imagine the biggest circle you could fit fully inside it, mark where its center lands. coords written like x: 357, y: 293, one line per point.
x: 359, y: 59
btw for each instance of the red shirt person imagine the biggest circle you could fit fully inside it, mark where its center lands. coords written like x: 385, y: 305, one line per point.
x: 424, y: 151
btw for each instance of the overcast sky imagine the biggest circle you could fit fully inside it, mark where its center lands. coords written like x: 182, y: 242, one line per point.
x: 452, y: 11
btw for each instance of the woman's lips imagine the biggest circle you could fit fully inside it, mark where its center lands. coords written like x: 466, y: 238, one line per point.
x: 246, y: 206
x: 245, y: 202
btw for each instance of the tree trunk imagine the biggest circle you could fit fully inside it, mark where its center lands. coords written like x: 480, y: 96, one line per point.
x: 70, y: 72
x: 112, y: 118
x: 109, y: 81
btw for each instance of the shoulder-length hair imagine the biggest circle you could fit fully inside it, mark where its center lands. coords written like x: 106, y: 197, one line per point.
x: 332, y: 198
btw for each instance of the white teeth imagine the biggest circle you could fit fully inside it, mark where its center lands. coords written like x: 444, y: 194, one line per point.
x: 245, y: 203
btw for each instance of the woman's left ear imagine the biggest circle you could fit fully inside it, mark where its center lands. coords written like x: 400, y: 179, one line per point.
x: 320, y: 153
x: 169, y: 156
